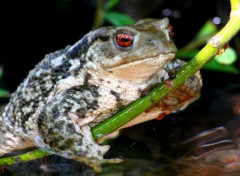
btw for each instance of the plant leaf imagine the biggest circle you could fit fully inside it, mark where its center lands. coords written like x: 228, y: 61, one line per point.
x: 222, y: 63
x: 227, y: 58
x: 214, y: 65
x: 111, y: 4
x: 4, y: 93
x: 118, y: 19
x: 207, y: 29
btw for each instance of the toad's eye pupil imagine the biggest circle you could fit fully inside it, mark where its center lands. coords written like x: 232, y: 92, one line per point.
x: 124, y: 40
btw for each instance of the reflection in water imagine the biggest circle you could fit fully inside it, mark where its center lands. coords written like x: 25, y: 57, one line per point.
x: 215, y: 152
x: 190, y: 167
x: 220, y: 163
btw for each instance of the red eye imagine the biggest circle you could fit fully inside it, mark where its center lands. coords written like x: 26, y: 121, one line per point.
x: 124, y: 40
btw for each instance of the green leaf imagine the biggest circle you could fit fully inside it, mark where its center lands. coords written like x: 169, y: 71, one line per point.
x: 118, y: 19
x: 208, y: 29
x: 214, y: 65
x: 111, y: 4
x: 220, y: 63
x: 227, y: 58
x: 4, y: 93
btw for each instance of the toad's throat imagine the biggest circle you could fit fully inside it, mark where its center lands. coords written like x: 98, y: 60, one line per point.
x: 141, y: 69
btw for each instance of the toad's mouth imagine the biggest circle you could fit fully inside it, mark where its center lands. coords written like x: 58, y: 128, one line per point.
x: 141, y: 69
x: 119, y: 62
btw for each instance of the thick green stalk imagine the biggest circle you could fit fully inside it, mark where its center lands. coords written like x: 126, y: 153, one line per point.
x: 23, y: 157
x: 122, y: 117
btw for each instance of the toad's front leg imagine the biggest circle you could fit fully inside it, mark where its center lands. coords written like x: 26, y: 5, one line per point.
x: 59, y: 128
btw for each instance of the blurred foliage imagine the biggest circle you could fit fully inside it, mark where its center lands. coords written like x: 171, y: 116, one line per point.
x: 117, y: 19
x: 3, y: 93
x: 207, y: 30
x: 223, y: 62
x: 227, y: 58
x: 106, y: 12
x: 111, y: 4
x: 114, y: 17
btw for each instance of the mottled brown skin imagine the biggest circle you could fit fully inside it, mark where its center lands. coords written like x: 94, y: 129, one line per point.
x: 74, y: 89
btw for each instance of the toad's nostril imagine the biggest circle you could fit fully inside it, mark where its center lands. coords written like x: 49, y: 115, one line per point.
x: 150, y: 39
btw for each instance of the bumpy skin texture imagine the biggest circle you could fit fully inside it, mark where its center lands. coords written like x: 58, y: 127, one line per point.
x: 74, y: 89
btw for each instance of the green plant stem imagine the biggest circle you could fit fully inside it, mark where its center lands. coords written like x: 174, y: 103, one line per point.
x: 122, y: 117
x: 23, y: 157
